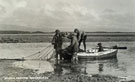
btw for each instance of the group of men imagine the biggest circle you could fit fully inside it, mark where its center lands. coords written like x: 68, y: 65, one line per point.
x: 76, y: 38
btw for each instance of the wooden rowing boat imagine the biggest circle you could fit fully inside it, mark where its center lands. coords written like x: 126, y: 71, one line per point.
x: 95, y: 55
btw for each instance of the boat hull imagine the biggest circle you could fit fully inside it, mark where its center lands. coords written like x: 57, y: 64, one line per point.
x: 98, y: 55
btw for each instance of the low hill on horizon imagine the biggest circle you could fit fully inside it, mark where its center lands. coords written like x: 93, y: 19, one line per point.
x: 22, y: 32
x: 42, y: 32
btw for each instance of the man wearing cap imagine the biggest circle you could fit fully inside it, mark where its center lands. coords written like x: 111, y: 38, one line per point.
x: 57, y: 42
x: 73, y: 47
x: 100, y: 47
x: 81, y: 37
x: 70, y: 53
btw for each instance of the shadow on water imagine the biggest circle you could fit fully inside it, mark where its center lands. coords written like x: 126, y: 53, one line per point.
x: 107, y: 66
x: 86, y: 67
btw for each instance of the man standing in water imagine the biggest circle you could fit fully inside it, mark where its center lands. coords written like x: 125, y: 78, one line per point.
x: 70, y: 53
x: 81, y: 37
x: 57, y: 42
x: 73, y: 46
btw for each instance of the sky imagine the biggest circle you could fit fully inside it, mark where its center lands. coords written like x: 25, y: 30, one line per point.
x: 66, y: 15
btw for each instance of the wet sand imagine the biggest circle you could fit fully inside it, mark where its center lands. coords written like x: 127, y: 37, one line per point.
x: 56, y: 76
x: 83, y: 78
x: 18, y: 72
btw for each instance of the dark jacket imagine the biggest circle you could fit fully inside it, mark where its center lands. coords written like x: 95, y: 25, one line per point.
x: 100, y: 49
x: 57, y: 41
x: 81, y: 36
x: 74, y: 44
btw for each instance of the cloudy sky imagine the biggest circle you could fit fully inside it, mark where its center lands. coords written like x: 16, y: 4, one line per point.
x: 87, y: 15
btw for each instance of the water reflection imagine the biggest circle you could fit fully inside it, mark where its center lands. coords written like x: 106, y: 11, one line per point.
x: 58, y: 69
x: 83, y: 67
x: 101, y: 67
x: 110, y: 66
x: 37, y: 65
x: 87, y: 67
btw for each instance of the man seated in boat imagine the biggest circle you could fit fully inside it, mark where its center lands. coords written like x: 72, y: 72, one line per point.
x: 57, y: 42
x: 100, y: 49
x: 81, y: 37
x: 71, y: 51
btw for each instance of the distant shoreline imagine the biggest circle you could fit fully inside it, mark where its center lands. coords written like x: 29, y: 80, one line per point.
x: 38, y: 38
x: 49, y: 32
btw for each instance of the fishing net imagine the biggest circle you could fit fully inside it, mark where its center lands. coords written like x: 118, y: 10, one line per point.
x: 44, y: 54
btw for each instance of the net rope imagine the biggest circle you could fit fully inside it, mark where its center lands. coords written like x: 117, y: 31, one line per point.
x: 44, y: 54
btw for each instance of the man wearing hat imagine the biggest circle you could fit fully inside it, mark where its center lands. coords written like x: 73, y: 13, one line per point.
x: 71, y: 51
x: 81, y: 37
x: 57, y: 42
x: 100, y: 47
x: 73, y: 46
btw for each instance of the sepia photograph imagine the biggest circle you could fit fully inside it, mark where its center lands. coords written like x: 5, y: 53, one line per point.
x: 67, y: 40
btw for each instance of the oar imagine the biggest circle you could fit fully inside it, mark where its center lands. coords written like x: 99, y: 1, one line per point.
x: 119, y: 47
x: 116, y: 47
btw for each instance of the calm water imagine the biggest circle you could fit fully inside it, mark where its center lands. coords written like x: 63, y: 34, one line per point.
x: 123, y: 66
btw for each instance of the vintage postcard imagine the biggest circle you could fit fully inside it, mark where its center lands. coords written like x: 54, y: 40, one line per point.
x: 67, y: 40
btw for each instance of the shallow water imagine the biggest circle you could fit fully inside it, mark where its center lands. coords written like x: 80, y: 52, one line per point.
x: 123, y: 66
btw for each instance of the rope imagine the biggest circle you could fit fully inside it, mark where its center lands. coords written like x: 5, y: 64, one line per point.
x: 43, y: 56
x: 38, y: 51
x: 44, y: 53
x: 51, y: 56
x: 48, y: 53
